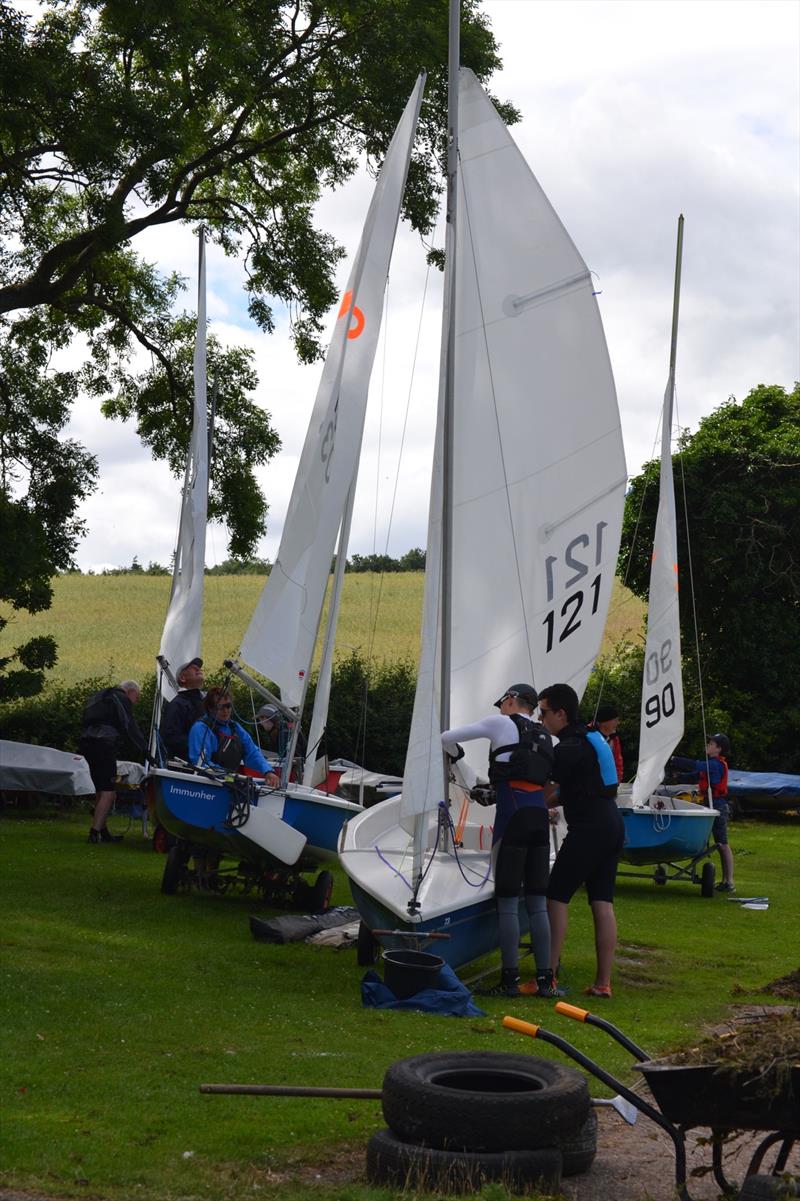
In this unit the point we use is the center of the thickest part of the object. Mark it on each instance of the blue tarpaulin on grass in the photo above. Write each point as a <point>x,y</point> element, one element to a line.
<point>451,997</point>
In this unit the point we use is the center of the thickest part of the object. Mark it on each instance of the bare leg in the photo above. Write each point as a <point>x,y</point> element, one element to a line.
<point>726,859</point>
<point>605,941</point>
<point>558,913</point>
<point>102,808</point>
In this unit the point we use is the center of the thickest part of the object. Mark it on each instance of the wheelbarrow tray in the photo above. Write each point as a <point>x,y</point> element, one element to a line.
<point>706,1095</point>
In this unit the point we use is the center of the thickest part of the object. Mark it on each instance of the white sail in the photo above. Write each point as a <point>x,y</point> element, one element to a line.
<point>539,467</point>
<point>661,725</point>
<point>181,639</point>
<point>280,639</point>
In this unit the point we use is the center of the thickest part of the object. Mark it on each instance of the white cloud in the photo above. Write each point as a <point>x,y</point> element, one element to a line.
<point>632,112</point>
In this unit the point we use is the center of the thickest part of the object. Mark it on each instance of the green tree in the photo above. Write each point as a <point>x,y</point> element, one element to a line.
<point>116,118</point>
<point>740,473</point>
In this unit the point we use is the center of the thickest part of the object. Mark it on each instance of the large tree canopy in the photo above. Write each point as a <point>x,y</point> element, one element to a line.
<point>117,117</point>
<point>740,473</point>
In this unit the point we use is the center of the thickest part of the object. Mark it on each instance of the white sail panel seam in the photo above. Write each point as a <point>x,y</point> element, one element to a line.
<point>547,530</point>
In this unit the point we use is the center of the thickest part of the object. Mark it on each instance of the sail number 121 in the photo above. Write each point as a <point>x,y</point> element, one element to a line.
<point>572,612</point>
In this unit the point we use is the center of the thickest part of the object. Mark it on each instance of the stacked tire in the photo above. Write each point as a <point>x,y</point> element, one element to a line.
<point>459,1119</point>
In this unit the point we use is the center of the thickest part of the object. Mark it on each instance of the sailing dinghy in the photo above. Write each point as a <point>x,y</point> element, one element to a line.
<point>296,826</point>
<point>660,827</point>
<point>524,525</point>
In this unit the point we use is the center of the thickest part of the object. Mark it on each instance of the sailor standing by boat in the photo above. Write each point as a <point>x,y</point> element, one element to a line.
<point>107,720</point>
<point>218,741</point>
<point>520,763</point>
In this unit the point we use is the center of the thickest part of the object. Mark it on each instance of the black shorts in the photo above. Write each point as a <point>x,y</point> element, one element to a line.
<point>523,858</point>
<point>588,855</point>
<point>102,759</point>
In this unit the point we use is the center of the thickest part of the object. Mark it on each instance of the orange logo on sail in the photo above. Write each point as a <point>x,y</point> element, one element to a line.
<point>356,330</point>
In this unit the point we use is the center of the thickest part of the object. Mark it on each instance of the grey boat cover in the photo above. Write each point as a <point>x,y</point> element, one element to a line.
<point>26,768</point>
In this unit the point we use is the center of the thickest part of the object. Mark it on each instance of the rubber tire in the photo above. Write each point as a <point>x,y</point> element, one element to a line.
<point>174,869</point>
<point>367,946</point>
<point>542,1102</point>
<point>707,879</point>
<point>660,875</point>
<point>398,1164</point>
<point>578,1150</point>
<point>762,1187</point>
<point>320,893</point>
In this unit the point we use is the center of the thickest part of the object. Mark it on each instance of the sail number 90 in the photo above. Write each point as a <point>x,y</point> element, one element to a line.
<point>660,703</point>
<point>573,605</point>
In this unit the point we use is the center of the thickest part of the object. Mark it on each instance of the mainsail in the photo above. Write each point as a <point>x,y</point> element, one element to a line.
<point>661,723</point>
<point>538,463</point>
<point>279,641</point>
<point>181,638</point>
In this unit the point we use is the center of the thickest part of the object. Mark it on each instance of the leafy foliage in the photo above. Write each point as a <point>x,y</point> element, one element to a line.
<point>118,118</point>
<point>740,474</point>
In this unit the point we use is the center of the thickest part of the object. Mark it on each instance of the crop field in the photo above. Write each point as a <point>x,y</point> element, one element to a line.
<point>112,624</point>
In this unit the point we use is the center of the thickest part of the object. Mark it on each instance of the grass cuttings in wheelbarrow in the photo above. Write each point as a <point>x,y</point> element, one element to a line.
<point>761,1048</point>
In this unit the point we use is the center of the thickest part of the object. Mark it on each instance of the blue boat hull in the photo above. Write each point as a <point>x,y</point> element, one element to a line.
<point>197,811</point>
<point>652,838</point>
<point>472,930</point>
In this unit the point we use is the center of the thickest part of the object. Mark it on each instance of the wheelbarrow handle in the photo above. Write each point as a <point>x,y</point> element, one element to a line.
<point>583,1015</point>
<point>425,935</point>
<point>516,1024</point>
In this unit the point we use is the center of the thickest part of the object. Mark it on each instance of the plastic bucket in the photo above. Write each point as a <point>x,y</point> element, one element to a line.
<point>408,972</point>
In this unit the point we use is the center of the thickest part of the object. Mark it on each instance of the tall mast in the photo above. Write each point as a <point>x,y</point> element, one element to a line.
<point>450,300</point>
<point>676,299</point>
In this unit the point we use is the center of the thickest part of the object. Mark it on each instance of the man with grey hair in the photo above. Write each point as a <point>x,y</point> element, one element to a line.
<point>108,719</point>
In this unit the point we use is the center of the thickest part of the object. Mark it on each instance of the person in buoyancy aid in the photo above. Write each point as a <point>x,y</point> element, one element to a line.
<point>520,764</point>
<point>711,774</point>
<point>218,741</point>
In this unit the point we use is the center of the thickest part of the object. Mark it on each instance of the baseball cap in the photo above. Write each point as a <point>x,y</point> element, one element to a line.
<point>191,663</point>
<point>523,692</point>
<point>267,711</point>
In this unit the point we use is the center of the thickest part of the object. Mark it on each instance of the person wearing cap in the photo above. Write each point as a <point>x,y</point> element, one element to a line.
<point>711,774</point>
<point>185,708</point>
<point>520,764</point>
<point>587,781</point>
<point>606,722</point>
<point>276,733</point>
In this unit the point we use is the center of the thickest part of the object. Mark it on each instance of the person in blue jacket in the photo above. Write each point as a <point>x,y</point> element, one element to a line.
<point>587,780</point>
<point>218,741</point>
<point>711,774</point>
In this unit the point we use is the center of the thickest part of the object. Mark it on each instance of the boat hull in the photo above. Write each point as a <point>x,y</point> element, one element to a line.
<point>197,811</point>
<point>665,830</point>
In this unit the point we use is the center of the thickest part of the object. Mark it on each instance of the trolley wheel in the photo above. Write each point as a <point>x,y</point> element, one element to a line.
<point>707,879</point>
<point>174,870</point>
<point>320,893</point>
<point>660,874</point>
<point>367,946</point>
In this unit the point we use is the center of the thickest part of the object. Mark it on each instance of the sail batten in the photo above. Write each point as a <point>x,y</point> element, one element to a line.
<point>279,641</point>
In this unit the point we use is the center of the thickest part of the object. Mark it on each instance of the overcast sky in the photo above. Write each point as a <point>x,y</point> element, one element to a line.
<point>632,112</point>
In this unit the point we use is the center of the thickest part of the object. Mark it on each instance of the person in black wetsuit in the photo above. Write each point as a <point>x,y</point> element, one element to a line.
<point>520,764</point>
<point>185,708</point>
<point>586,775</point>
<point>107,720</point>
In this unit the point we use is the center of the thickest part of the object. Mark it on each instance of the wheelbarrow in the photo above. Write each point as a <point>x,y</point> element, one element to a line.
<point>687,1097</point>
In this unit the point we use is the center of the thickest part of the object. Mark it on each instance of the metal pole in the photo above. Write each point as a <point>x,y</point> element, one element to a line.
<point>449,389</point>
<point>673,347</point>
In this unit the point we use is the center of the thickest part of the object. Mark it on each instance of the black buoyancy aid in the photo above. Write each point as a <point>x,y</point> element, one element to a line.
<point>100,709</point>
<point>531,759</point>
<point>718,790</point>
<point>230,751</point>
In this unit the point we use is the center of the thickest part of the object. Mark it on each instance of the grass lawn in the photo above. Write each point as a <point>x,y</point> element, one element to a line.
<point>118,1002</point>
